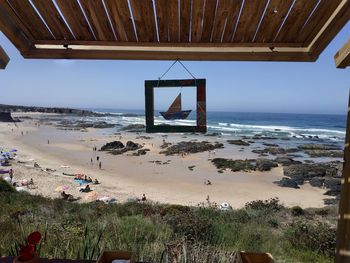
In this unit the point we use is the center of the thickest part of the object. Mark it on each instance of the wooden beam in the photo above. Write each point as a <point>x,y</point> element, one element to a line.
<point>13,29</point>
<point>342,254</point>
<point>4,58</point>
<point>335,23</point>
<point>168,44</point>
<point>342,57</point>
<point>209,54</point>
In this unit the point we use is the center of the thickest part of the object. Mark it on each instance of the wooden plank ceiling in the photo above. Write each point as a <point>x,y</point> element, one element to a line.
<point>282,30</point>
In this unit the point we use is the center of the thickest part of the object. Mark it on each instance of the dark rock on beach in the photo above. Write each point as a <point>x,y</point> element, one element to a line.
<point>191,147</point>
<point>77,124</point>
<point>325,175</point>
<point>112,146</point>
<point>132,146</point>
<point>286,161</point>
<point>102,125</point>
<point>324,153</point>
<point>275,150</point>
<point>238,142</point>
<point>270,144</point>
<point>263,137</point>
<point>140,152</point>
<point>287,182</point>
<point>244,165</point>
<point>134,128</point>
<point>263,164</point>
<point>6,117</point>
<point>213,134</point>
<point>314,146</point>
<point>234,165</point>
<point>322,150</point>
<point>118,147</point>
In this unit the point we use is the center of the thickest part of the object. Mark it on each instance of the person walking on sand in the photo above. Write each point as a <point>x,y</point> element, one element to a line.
<point>98,158</point>
<point>100,165</point>
<point>48,141</point>
<point>91,161</point>
<point>11,174</point>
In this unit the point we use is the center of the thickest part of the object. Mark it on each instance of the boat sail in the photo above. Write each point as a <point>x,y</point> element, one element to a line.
<point>175,111</point>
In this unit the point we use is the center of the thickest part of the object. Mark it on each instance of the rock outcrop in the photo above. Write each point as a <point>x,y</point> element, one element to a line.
<point>6,117</point>
<point>191,147</point>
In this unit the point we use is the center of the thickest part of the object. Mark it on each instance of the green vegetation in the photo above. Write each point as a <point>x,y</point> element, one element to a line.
<point>159,233</point>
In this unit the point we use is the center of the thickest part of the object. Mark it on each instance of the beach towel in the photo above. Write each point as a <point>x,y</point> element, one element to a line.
<point>4,171</point>
<point>22,189</point>
<point>80,181</point>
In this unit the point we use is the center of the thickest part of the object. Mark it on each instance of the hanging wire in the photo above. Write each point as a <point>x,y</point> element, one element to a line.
<point>189,72</point>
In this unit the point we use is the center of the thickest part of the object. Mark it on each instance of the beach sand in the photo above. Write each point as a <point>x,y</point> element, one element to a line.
<point>124,176</point>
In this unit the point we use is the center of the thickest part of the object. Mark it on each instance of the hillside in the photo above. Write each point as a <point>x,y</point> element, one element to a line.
<point>154,231</point>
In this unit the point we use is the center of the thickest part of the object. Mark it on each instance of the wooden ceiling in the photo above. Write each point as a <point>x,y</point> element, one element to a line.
<point>265,30</point>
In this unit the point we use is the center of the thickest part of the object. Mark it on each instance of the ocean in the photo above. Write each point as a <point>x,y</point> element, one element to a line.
<point>315,127</point>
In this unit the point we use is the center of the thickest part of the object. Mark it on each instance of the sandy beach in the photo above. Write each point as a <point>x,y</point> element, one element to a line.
<point>125,176</point>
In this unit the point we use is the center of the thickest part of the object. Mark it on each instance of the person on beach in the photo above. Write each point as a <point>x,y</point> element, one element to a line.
<point>100,165</point>
<point>91,161</point>
<point>22,133</point>
<point>96,181</point>
<point>98,158</point>
<point>11,174</point>
<point>48,141</point>
<point>207,182</point>
<point>143,199</point>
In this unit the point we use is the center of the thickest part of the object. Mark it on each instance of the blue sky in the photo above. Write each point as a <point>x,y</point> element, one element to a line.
<point>231,86</point>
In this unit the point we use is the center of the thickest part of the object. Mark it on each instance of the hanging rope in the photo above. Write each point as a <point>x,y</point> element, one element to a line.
<point>189,72</point>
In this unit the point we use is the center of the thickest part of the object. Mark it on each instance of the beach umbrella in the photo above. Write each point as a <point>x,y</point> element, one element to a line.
<point>61,188</point>
<point>92,196</point>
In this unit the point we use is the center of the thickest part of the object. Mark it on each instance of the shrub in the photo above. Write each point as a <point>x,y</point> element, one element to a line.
<point>6,187</point>
<point>317,236</point>
<point>271,204</point>
<point>297,211</point>
<point>193,226</point>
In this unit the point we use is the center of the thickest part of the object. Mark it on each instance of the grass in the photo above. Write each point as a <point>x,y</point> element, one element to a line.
<point>161,233</point>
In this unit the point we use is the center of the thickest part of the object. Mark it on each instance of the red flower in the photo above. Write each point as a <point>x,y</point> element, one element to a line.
<point>34,238</point>
<point>26,252</point>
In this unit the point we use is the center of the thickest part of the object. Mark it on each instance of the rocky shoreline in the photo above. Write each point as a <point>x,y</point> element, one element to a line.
<point>58,110</point>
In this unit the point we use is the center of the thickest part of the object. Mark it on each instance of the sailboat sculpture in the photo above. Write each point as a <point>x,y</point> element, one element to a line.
<point>174,112</point>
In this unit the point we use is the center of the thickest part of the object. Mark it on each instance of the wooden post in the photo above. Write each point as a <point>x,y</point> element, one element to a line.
<point>343,231</point>
<point>4,58</point>
<point>342,57</point>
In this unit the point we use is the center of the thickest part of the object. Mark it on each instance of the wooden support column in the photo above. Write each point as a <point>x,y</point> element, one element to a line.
<point>342,57</point>
<point>4,58</point>
<point>343,231</point>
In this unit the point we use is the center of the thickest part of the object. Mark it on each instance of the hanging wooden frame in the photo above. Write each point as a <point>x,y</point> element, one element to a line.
<point>201,123</point>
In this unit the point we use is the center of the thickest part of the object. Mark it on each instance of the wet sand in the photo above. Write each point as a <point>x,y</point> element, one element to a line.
<point>124,176</point>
